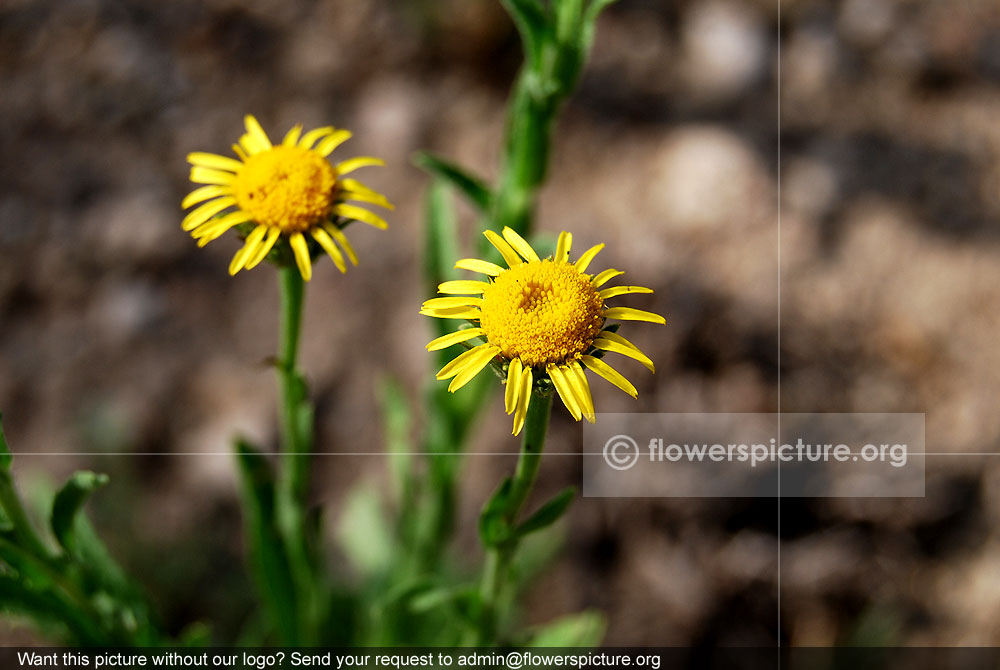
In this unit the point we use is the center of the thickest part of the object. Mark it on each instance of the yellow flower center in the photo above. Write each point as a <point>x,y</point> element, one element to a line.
<point>542,312</point>
<point>290,188</point>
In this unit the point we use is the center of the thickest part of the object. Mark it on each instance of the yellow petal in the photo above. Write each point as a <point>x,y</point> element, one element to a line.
<point>330,248</point>
<point>292,136</point>
<point>301,251</point>
<point>457,337</point>
<point>326,147</point>
<point>368,198</point>
<point>604,277</point>
<point>618,344</point>
<point>578,380</point>
<point>563,246</point>
<point>249,145</point>
<point>523,399</point>
<point>473,368</point>
<point>631,314</point>
<point>454,301</point>
<point>239,152</point>
<point>214,161</point>
<point>215,228</point>
<point>584,261</point>
<point>204,175</point>
<point>470,313</point>
<point>558,377</point>
<point>249,247</point>
<point>310,138</point>
<point>609,373</point>
<point>507,251</point>
<point>512,392</point>
<point>520,245</point>
<point>622,290</point>
<point>458,363</point>
<point>256,133</point>
<point>352,164</point>
<point>463,286</point>
<point>482,267</point>
<point>337,234</point>
<point>355,190</point>
<point>265,248</point>
<point>204,193</point>
<point>358,214</point>
<point>206,212</point>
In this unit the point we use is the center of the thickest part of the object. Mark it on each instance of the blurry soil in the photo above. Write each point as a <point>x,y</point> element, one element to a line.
<point>118,335</point>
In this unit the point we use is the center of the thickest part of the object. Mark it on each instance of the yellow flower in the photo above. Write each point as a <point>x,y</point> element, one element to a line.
<point>288,190</point>
<point>544,319</point>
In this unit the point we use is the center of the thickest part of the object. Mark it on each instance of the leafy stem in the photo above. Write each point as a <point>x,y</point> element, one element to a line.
<point>498,523</point>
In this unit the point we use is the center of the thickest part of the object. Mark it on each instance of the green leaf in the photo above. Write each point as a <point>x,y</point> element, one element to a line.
<point>47,608</point>
<point>469,185</point>
<point>6,458</point>
<point>494,528</point>
<point>548,513</point>
<point>197,634</point>
<point>30,569</point>
<point>364,533</point>
<point>583,629</point>
<point>268,556</point>
<point>435,597</point>
<point>68,503</point>
<point>441,230</point>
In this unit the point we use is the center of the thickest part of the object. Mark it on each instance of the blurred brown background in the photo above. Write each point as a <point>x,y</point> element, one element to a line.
<point>118,335</point>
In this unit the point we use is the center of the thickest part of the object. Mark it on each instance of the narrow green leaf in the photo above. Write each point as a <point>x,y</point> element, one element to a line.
<point>268,557</point>
<point>68,503</point>
<point>494,528</point>
<point>30,569</point>
<point>47,609</point>
<point>469,185</point>
<point>548,513</point>
<point>434,598</point>
<point>583,629</point>
<point>441,235</point>
<point>6,458</point>
<point>197,634</point>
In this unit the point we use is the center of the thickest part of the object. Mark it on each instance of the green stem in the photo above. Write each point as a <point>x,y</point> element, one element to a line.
<point>296,471</point>
<point>526,154</point>
<point>296,439</point>
<point>497,567</point>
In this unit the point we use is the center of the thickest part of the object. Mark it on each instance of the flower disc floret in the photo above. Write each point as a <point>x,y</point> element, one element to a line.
<point>542,312</point>
<point>289,188</point>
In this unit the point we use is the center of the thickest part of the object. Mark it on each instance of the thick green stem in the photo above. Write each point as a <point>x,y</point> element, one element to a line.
<point>292,391</point>
<point>296,443</point>
<point>497,568</point>
<point>526,154</point>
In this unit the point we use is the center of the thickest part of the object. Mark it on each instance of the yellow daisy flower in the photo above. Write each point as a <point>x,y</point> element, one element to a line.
<point>287,190</point>
<point>542,322</point>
